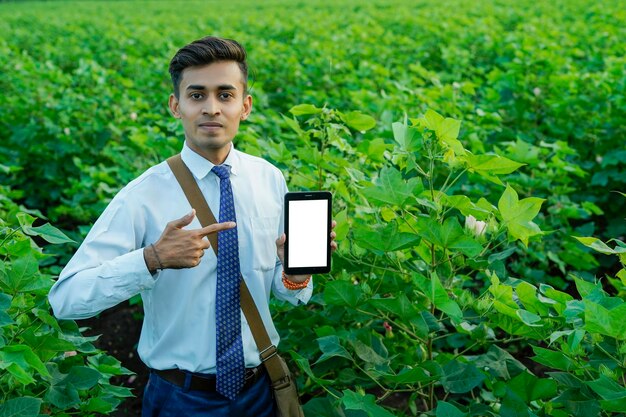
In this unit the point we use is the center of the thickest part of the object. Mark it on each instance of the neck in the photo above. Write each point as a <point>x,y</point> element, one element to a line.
<point>216,156</point>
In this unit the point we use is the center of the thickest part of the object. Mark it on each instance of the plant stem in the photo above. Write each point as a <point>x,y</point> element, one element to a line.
<point>444,189</point>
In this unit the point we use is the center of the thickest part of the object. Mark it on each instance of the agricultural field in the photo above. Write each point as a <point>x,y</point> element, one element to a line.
<point>476,154</point>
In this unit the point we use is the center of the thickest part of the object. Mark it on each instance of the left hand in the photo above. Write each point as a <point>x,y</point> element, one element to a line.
<point>280,251</point>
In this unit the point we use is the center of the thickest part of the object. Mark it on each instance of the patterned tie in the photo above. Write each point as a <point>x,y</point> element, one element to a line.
<point>230,364</point>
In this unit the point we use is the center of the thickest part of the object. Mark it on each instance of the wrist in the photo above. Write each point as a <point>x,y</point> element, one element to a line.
<point>151,257</point>
<point>295,282</point>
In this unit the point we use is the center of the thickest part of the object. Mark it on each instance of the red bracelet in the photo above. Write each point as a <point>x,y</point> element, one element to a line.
<point>290,285</point>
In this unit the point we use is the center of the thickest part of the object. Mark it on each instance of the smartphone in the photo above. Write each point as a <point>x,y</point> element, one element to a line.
<point>308,217</point>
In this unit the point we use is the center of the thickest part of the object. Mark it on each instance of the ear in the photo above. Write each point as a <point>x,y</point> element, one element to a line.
<point>173,105</point>
<point>247,107</point>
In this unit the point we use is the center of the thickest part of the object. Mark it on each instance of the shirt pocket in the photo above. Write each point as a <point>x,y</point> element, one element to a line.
<point>265,233</point>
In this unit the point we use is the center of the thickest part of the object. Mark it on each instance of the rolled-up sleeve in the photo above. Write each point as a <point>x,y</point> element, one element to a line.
<point>107,269</point>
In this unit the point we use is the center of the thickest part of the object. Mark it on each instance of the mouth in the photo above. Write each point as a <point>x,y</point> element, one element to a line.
<point>210,128</point>
<point>212,125</point>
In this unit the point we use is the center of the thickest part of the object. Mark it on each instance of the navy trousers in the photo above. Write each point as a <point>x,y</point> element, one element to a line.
<point>164,399</point>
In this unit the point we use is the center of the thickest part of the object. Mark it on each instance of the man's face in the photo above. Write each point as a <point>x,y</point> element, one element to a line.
<point>212,102</point>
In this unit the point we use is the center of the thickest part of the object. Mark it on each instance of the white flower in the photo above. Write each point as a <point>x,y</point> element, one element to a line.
<point>475,226</point>
<point>133,116</point>
<point>537,91</point>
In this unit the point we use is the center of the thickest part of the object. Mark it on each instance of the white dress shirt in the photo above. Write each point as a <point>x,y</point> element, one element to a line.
<point>179,304</point>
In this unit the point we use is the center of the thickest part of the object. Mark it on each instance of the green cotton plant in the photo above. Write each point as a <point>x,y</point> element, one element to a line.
<point>46,366</point>
<point>580,342</point>
<point>400,315</point>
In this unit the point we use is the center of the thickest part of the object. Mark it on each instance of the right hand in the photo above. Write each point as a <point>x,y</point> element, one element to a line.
<point>179,248</point>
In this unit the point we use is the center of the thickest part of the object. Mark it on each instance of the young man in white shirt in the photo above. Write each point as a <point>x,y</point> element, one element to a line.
<point>149,241</point>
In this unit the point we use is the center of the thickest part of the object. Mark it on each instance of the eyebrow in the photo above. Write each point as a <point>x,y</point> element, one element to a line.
<point>228,87</point>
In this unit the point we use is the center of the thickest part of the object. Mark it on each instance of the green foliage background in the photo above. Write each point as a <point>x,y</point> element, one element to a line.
<point>84,90</point>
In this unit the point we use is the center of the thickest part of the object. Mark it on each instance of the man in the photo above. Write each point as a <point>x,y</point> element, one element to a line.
<point>149,241</point>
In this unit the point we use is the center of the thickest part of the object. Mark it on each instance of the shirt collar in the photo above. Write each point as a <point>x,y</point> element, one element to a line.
<point>200,167</point>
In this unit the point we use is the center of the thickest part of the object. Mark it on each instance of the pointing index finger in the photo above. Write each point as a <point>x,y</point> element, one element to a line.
<point>216,227</point>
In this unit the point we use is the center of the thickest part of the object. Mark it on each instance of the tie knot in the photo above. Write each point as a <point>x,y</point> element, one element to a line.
<point>221,171</point>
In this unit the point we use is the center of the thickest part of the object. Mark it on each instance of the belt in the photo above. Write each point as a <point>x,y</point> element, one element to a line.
<point>207,382</point>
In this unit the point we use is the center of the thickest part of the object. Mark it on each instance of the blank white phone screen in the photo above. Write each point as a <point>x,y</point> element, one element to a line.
<point>308,242</point>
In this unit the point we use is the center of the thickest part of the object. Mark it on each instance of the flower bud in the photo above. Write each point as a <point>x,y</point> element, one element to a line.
<point>477,227</point>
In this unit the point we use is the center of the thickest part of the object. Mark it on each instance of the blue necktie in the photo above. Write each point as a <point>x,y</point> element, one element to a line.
<point>230,364</point>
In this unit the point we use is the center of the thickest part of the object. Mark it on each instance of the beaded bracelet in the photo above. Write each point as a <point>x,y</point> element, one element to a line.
<point>290,285</point>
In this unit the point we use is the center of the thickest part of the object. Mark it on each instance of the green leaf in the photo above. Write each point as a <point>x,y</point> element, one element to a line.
<point>527,294</point>
<point>82,377</point>
<point>446,130</point>
<point>277,150</point>
<point>491,164</point>
<point>565,379</point>
<point>25,220</point>
<point>21,407</point>
<point>353,401</point>
<point>49,233</point>
<point>578,404</point>
<point>518,214</point>
<point>449,129</point>
<point>5,319</point>
<point>62,396</point>
<point>331,347</point>
<point>384,239</point>
<point>47,343</point>
<point>599,319</point>
<point>406,136</point>
<point>367,354</point>
<point>343,227</point>
<point>359,121</point>
<point>465,206</point>
<point>553,359</point>
<point>399,306</point>
<point>499,363</point>
<point>500,256</point>
<point>617,405</point>
<point>449,235</point>
<point>304,109</point>
<point>438,295</point>
<point>22,272</point>
<point>321,407</point>
<point>100,405</point>
<point>304,365</point>
<point>432,119</point>
<point>460,377</point>
<point>599,246</point>
<point>23,356</point>
<point>5,301</point>
<point>391,188</point>
<point>607,388</point>
<point>530,388</point>
<point>343,293</point>
<point>445,409</point>
<point>21,375</point>
<point>528,318</point>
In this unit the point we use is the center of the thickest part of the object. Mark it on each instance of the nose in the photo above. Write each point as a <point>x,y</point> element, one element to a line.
<point>211,106</point>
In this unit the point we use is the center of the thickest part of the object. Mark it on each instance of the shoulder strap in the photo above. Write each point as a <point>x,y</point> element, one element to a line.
<point>194,195</point>
<point>205,215</point>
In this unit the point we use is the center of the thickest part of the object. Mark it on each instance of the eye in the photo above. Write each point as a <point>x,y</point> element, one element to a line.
<point>225,95</point>
<point>196,96</point>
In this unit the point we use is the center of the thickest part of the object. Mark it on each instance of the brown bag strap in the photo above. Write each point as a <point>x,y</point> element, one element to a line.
<point>205,215</point>
<point>194,195</point>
